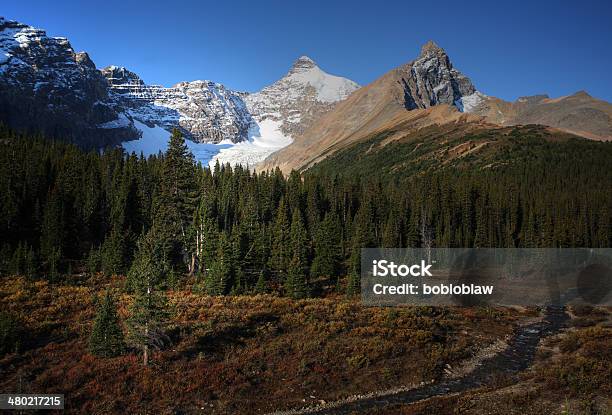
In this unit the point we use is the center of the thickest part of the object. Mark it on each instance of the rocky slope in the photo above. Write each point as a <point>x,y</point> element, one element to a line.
<point>429,91</point>
<point>204,111</point>
<point>285,109</point>
<point>45,86</point>
<point>579,113</point>
<point>404,94</point>
<point>302,95</point>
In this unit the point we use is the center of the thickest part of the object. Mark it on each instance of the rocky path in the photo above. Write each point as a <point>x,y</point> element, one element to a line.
<point>517,356</point>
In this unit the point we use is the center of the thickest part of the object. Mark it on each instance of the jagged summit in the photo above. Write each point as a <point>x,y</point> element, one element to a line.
<point>431,47</point>
<point>304,60</point>
<point>46,86</point>
<point>431,80</point>
<point>302,64</point>
<point>119,75</point>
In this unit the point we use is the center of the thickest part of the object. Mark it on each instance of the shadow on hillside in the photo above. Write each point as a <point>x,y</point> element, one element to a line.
<point>217,341</point>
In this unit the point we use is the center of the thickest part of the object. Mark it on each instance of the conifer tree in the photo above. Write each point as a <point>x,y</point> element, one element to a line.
<point>354,278</point>
<point>280,253</point>
<point>94,260</point>
<point>261,287</point>
<point>296,286</point>
<point>112,256</point>
<point>220,276</point>
<point>327,247</point>
<point>176,204</point>
<point>148,312</point>
<point>106,339</point>
<point>52,233</point>
<point>299,238</point>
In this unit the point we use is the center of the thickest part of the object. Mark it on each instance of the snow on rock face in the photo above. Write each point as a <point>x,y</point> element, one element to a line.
<point>154,140</point>
<point>204,111</point>
<point>470,103</point>
<point>46,86</point>
<point>300,97</point>
<point>244,128</point>
<point>328,88</point>
<point>228,126</point>
<point>265,137</point>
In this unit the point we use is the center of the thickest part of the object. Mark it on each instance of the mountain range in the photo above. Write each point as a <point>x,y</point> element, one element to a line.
<point>303,118</point>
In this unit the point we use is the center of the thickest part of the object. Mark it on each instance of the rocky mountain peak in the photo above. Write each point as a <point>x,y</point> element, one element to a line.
<point>431,80</point>
<point>118,75</point>
<point>46,86</point>
<point>582,94</point>
<point>431,48</point>
<point>302,64</point>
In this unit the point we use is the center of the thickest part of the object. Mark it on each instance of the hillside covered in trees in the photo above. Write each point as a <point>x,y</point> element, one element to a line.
<point>105,256</point>
<point>234,231</point>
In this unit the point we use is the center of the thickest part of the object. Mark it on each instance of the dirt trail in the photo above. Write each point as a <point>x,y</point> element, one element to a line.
<point>516,357</point>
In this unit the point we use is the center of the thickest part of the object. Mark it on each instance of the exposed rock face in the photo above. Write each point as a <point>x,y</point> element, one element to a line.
<point>285,109</point>
<point>300,97</point>
<point>430,91</point>
<point>401,96</point>
<point>204,111</point>
<point>431,80</point>
<point>45,86</point>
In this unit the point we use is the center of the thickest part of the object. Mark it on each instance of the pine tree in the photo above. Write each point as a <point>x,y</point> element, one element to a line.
<point>219,278</point>
<point>299,239</point>
<point>106,339</point>
<point>262,286</point>
<point>327,247</point>
<point>176,204</point>
<point>94,261</point>
<point>280,253</point>
<point>353,286</point>
<point>112,255</point>
<point>148,312</point>
<point>52,233</point>
<point>354,279</point>
<point>30,263</point>
<point>296,286</point>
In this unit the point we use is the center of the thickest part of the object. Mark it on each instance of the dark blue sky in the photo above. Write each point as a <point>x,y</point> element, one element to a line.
<point>509,48</point>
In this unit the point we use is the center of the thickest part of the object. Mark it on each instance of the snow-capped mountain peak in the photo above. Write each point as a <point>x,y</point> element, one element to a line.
<point>72,99</point>
<point>286,108</point>
<point>302,64</point>
<point>205,111</point>
<point>305,73</point>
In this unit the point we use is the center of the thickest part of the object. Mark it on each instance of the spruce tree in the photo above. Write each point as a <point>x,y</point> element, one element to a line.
<point>106,339</point>
<point>94,261</point>
<point>148,312</point>
<point>296,285</point>
<point>176,203</point>
<point>280,253</point>
<point>219,278</point>
<point>354,278</point>
<point>113,253</point>
<point>327,247</point>
<point>261,287</point>
<point>299,237</point>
